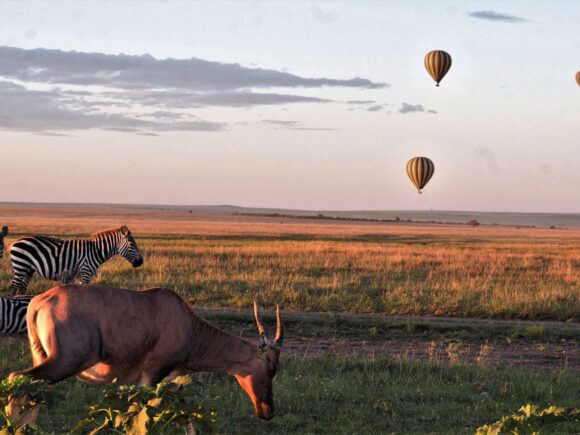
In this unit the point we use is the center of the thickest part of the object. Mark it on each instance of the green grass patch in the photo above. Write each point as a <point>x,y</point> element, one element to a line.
<point>349,395</point>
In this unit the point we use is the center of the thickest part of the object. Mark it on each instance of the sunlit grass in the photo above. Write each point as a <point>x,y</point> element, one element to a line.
<point>485,272</point>
<point>491,278</point>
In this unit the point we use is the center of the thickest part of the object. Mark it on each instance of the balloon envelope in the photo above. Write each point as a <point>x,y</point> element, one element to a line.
<point>420,170</point>
<point>578,78</point>
<point>437,63</point>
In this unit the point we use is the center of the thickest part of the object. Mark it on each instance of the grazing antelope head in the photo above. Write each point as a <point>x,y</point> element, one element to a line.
<point>3,234</point>
<point>127,247</point>
<point>257,375</point>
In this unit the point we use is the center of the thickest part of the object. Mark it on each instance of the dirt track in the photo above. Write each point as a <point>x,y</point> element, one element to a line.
<point>523,355</point>
<point>560,355</point>
<point>549,356</point>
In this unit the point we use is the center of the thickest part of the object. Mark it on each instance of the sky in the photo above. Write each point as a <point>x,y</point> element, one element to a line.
<point>308,105</point>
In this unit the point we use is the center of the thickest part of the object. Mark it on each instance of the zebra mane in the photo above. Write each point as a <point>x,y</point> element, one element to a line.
<point>112,231</point>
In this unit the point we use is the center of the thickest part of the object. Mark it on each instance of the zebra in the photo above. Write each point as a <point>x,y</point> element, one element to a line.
<point>3,234</point>
<point>13,314</point>
<point>55,258</point>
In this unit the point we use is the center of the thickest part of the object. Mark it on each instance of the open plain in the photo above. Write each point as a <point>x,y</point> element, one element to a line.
<point>434,327</point>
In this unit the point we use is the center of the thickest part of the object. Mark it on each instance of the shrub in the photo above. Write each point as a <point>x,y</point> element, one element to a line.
<point>165,409</point>
<point>529,420</point>
<point>168,408</point>
<point>37,393</point>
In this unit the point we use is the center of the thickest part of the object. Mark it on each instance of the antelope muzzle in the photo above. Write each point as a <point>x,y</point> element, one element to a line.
<point>265,411</point>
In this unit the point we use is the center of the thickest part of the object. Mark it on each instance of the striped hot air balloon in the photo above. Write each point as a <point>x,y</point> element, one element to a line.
<point>437,63</point>
<point>578,78</point>
<point>420,170</point>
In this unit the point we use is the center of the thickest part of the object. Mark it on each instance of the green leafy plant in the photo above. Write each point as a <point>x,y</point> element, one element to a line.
<point>36,392</point>
<point>168,408</point>
<point>530,420</point>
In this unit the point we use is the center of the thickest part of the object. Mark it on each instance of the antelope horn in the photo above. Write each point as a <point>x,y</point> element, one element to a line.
<point>261,329</point>
<point>279,328</point>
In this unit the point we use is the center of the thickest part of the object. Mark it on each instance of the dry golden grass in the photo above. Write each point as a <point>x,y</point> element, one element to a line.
<point>231,260</point>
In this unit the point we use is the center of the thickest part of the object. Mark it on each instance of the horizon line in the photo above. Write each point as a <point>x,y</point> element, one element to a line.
<point>120,204</point>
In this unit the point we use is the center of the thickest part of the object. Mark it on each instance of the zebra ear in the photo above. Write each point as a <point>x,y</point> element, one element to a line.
<point>125,230</point>
<point>4,231</point>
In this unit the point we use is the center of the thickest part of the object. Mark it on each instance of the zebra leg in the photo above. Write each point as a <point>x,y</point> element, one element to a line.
<point>20,280</point>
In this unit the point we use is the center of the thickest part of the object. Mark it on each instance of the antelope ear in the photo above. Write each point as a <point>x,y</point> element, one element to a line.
<point>263,343</point>
<point>4,231</point>
<point>124,230</point>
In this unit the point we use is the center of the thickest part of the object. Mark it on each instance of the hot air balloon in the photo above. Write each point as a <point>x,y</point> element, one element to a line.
<point>437,63</point>
<point>578,78</point>
<point>420,170</point>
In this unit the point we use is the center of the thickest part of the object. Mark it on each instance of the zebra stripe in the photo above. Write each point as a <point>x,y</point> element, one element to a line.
<point>13,314</point>
<point>52,257</point>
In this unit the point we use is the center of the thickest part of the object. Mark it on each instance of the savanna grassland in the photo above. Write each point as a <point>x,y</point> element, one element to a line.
<point>341,373</point>
<point>211,260</point>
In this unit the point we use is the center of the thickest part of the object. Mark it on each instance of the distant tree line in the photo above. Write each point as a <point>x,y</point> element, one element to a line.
<point>473,223</point>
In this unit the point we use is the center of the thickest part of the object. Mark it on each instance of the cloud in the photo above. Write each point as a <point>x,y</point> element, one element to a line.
<point>366,105</point>
<point>278,124</point>
<point>487,156</point>
<point>244,99</point>
<point>186,100</point>
<point>362,102</point>
<point>146,72</point>
<point>497,16</point>
<point>44,90</point>
<point>47,111</point>
<point>52,134</point>
<point>324,17</point>
<point>411,108</point>
<point>376,107</point>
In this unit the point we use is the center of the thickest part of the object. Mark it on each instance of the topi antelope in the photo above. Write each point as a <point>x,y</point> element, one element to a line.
<point>102,333</point>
